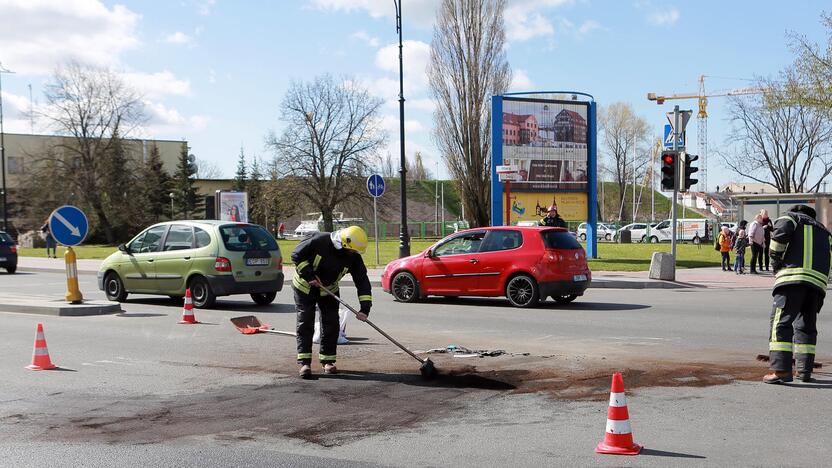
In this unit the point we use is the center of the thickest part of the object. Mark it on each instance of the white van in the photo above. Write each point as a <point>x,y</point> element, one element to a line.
<point>687,229</point>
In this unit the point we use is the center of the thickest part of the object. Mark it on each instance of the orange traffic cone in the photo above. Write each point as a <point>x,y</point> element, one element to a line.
<point>40,357</point>
<point>188,311</point>
<point>618,438</point>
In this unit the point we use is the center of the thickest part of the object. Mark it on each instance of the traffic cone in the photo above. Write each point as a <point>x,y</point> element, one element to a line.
<point>188,311</point>
<point>40,357</point>
<point>618,438</point>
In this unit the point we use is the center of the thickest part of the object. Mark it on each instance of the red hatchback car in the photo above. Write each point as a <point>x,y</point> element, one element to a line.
<point>525,264</point>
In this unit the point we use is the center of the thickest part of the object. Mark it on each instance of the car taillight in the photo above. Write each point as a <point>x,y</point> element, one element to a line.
<point>222,264</point>
<point>551,256</point>
<point>14,249</point>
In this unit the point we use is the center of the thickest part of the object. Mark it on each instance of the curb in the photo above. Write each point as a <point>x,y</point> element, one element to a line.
<point>60,309</point>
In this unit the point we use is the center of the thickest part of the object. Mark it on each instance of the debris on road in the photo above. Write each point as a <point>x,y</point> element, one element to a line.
<point>463,352</point>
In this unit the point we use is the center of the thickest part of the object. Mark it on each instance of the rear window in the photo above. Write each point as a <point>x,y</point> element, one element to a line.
<point>245,237</point>
<point>5,238</point>
<point>559,240</point>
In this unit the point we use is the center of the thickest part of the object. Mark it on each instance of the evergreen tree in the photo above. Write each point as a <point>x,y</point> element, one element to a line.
<point>118,188</point>
<point>155,188</point>
<point>254,187</point>
<point>186,203</point>
<point>241,177</point>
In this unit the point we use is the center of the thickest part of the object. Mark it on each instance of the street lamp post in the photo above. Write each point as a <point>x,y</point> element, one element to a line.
<point>171,205</point>
<point>3,152</point>
<point>404,236</point>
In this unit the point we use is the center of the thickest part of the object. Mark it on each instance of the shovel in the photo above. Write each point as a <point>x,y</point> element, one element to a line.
<point>249,325</point>
<point>427,368</point>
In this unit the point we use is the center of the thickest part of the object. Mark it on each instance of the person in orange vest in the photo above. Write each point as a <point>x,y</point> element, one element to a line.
<point>725,248</point>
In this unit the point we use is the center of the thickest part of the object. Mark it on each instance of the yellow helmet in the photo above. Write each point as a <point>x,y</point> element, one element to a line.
<point>353,238</point>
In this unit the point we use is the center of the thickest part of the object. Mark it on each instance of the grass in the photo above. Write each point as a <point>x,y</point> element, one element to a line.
<point>613,257</point>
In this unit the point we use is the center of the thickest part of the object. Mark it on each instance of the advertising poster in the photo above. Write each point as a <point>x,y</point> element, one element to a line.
<point>531,206</point>
<point>232,206</point>
<point>547,141</point>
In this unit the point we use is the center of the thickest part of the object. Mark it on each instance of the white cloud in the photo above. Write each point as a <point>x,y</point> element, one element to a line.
<point>524,21</point>
<point>588,26</point>
<point>203,7</point>
<point>520,80</point>
<point>365,38</point>
<point>212,76</point>
<point>667,17</point>
<point>390,123</point>
<point>416,59</point>
<point>417,12</point>
<point>421,104</point>
<point>179,38</point>
<point>164,120</point>
<point>44,33</point>
<point>154,85</point>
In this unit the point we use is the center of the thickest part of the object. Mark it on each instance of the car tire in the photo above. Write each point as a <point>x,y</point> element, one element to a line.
<point>522,291</point>
<point>404,287</point>
<point>583,236</point>
<point>263,299</point>
<point>654,240</point>
<point>11,269</point>
<point>114,288</point>
<point>608,237</point>
<point>565,299</point>
<point>202,295</point>
<point>643,239</point>
<point>696,240</point>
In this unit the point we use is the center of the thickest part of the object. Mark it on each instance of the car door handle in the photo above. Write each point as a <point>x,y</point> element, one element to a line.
<point>473,260</point>
<point>149,260</point>
<point>187,258</point>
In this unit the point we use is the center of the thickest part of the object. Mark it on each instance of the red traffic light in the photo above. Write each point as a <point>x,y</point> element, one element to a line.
<point>667,158</point>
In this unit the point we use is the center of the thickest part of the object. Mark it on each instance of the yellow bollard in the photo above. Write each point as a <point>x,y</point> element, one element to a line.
<point>73,294</point>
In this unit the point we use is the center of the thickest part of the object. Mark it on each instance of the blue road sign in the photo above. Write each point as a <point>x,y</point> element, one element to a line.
<point>375,185</point>
<point>668,139</point>
<point>69,225</point>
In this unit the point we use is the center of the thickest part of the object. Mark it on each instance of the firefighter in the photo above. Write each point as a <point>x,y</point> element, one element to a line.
<point>323,259</point>
<point>800,254</point>
<point>553,219</point>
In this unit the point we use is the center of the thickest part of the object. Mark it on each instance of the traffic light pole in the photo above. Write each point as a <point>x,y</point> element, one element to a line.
<point>675,185</point>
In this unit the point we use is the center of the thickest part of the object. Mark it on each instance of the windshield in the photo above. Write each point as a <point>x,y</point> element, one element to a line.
<point>6,238</point>
<point>559,240</point>
<point>245,237</point>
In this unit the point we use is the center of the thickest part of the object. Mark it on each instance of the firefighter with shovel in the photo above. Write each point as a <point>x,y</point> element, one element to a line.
<point>322,259</point>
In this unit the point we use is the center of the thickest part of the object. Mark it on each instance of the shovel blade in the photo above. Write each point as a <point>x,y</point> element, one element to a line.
<point>246,323</point>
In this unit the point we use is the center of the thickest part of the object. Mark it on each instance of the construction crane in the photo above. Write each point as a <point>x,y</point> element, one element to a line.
<point>702,117</point>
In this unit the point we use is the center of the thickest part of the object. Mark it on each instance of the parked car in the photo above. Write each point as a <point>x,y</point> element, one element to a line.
<point>638,232</point>
<point>8,252</point>
<point>687,229</point>
<point>211,258</point>
<point>524,264</point>
<point>603,230</point>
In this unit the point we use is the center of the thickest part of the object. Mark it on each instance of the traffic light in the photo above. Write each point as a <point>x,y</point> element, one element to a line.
<point>669,169</point>
<point>689,170</point>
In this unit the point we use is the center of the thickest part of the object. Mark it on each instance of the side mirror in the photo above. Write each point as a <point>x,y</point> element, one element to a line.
<point>123,248</point>
<point>428,253</point>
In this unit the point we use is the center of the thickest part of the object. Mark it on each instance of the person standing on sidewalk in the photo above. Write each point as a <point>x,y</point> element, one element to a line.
<point>801,257</point>
<point>768,227</point>
<point>51,245</point>
<point>740,244</point>
<point>725,248</point>
<point>757,237</point>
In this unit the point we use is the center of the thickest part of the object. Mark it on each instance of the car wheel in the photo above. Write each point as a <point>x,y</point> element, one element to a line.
<point>643,239</point>
<point>404,287</point>
<point>654,240</point>
<point>522,291</point>
<point>608,237</point>
<point>11,269</point>
<point>201,294</point>
<point>696,240</point>
<point>565,299</point>
<point>583,236</point>
<point>114,288</point>
<point>263,298</point>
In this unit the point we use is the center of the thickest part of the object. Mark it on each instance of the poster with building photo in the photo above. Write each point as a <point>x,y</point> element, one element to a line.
<point>547,141</point>
<point>232,206</point>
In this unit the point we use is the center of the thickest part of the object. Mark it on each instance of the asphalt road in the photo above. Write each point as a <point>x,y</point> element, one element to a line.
<point>137,389</point>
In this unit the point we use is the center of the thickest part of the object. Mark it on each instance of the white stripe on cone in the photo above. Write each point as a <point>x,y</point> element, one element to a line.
<point>40,336</point>
<point>618,427</point>
<point>618,400</point>
<point>41,352</point>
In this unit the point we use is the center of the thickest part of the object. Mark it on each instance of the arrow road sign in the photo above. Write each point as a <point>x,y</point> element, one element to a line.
<point>69,225</point>
<point>375,185</point>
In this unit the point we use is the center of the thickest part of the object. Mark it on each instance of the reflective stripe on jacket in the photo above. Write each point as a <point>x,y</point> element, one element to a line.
<point>316,256</point>
<point>801,250</point>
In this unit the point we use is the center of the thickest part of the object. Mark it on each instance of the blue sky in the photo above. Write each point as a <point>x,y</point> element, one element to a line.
<point>215,71</point>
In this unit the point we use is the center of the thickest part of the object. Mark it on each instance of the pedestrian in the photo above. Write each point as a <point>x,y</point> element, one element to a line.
<point>800,257</point>
<point>725,248</point>
<point>768,227</point>
<point>51,245</point>
<point>740,244</point>
<point>552,218</point>
<point>323,259</point>
<point>756,237</point>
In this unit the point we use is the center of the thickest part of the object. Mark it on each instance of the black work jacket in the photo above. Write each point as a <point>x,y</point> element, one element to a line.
<point>801,251</point>
<point>315,255</point>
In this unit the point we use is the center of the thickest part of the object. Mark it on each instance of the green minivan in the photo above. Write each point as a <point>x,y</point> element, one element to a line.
<point>212,258</point>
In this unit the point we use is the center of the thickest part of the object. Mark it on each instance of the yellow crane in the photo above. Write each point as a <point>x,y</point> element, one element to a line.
<point>702,117</point>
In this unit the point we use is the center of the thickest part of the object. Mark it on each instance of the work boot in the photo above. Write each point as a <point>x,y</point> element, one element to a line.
<point>805,377</point>
<point>305,371</point>
<point>778,377</point>
<point>330,369</point>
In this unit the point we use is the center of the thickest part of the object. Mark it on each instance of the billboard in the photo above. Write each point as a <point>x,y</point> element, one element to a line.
<point>232,206</point>
<point>532,206</point>
<point>548,141</point>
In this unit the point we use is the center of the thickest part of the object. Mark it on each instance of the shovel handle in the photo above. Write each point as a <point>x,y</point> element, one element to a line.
<point>351,309</point>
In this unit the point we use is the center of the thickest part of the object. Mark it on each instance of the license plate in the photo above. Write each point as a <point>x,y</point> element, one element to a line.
<point>2,259</point>
<point>257,261</point>
<point>578,278</point>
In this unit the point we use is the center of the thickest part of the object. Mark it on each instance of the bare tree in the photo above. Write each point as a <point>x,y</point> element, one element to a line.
<point>809,79</point>
<point>781,142</point>
<point>467,66</point>
<point>625,145</point>
<point>95,109</point>
<point>207,169</point>
<point>388,168</point>
<point>332,135</point>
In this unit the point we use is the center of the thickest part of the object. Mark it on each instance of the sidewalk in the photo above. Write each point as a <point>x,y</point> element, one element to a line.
<point>713,278</point>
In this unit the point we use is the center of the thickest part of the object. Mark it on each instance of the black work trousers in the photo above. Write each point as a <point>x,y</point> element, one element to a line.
<point>793,327</point>
<point>305,305</point>
<point>756,256</point>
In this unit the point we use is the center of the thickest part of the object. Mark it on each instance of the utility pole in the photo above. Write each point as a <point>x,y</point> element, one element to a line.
<point>31,111</point>
<point>675,184</point>
<point>3,153</point>
<point>404,236</point>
